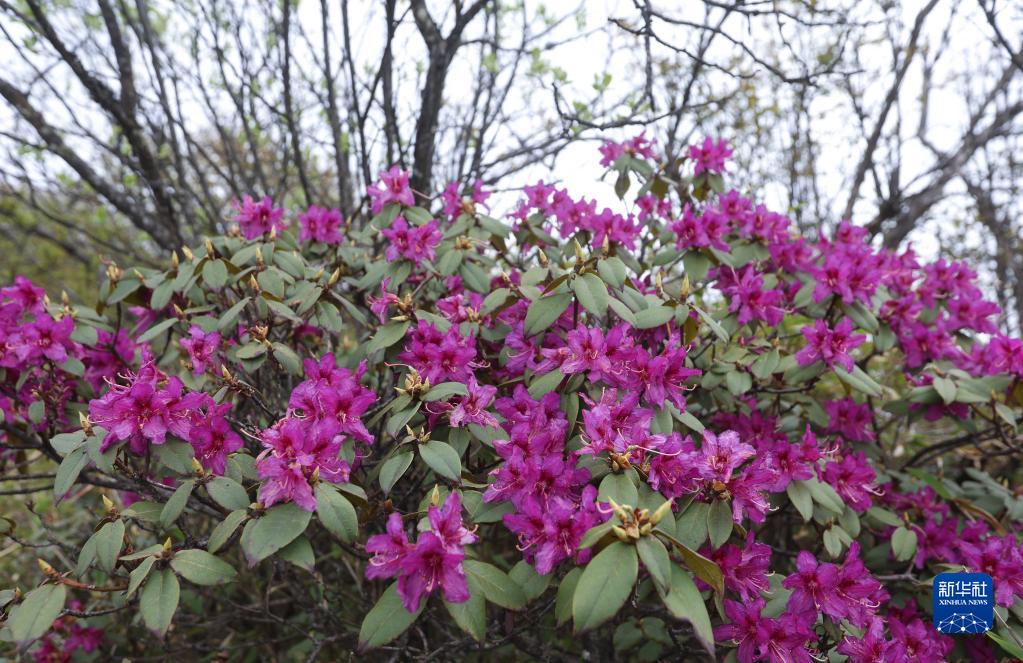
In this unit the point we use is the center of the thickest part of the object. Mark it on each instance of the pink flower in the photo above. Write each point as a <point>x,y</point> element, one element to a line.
<point>257,219</point>
<point>710,156</point>
<point>415,243</point>
<point>472,408</point>
<point>832,346</point>
<point>201,348</point>
<point>142,412</point>
<point>439,357</point>
<point>393,187</point>
<point>213,439</point>
<point>319,224</point>
<point>433,562</point>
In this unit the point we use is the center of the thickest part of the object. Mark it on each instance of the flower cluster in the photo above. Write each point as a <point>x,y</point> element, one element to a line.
<point>319,224</point>
<point>258,218</point>
<point>325,411</point>
<point>415,243</point>
<point>433,562</point>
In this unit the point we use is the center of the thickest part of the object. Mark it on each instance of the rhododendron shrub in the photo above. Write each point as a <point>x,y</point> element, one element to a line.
<point>668,428</point>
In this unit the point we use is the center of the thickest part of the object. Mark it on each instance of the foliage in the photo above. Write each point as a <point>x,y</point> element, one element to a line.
<point>601,433</point>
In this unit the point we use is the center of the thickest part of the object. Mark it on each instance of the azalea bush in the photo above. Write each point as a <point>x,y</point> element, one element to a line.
<point>438,430</point>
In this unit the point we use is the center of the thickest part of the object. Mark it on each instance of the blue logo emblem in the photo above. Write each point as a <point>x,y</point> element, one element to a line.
<point>963,603</point>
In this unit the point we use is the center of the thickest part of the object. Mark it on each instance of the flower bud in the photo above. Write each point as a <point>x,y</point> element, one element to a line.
<point>189,256</point>
<point>661,512</point>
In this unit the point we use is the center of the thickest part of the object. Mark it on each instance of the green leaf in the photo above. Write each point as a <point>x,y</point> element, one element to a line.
<point>387,620</point>
<point>336,513</point>
<point>604,586</point>
<point>175,455</point>
<point>33,617</point>
<point>109,540</point>
<point>825,495</point>
<point>904,543</point>
<point>68,471</point>
<point>705,569</point>
<point>214,274</point>
<point>684,602</point>
<point>202,568</point>
<point>654,556</point>
<point>148,511</point>
<point>222,532</point>
<point>859,380</point>
<point>545,384</point>
<point>738,382</point>
<point>532,583</point>
<point>612,270</point>
<point>176,504</point>
<point>591,292</point>
<point>471,615</point>
<point>566,590</point>
<point>278,527</point>
<point>442,459</point>
<point>445,390</point>
<point>287,358</point>
<point>719,522</point>
<point>946,388</point>
<point>161,296</point>
<point>696,266</point>
<point>619,487</point>
<point>595,534</point>
<point>801,498</point>
<point>156,330</point>
<point>387,336</point>
<point>691,526</point>
<point>300,553</point>
<point>158,600</point>
<point>496,585</point>
<point>231,315</point>
<point>393,468</point>
<point>65,443</point>
<point>766,364</point>
<point>543,312</point>
<point>1006,644</point>
<point>228,493</point>
<point>653,317</point>
<point>140,573</point>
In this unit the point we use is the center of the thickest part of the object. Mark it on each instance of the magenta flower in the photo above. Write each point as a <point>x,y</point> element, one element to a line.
<point>293,453</point>
<point>388,549</point>
<point>257,218</point>
<point>637,146</point>
<point>27,295</point>
<point>472,408</point>
<point>780,640</point>
<point>710,156</point>
<point>331,401</point>
<point>744,287</point>
<point>213,439</point>
<point>433,562</point>
<point>201,348</point>
<point>430,565</point>
<point>319,224</point>
<point>392,187</point>
<point>143,412</point>
<point>853,478</point>
<point>851,420</point>
<point>439,357</point>
<point>415,243</point>
<point>832,346</point>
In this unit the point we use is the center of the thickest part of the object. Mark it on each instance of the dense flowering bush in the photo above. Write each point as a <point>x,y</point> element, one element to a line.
<point>672,426</point>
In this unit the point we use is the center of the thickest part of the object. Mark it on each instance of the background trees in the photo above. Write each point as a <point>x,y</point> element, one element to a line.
<point>902,116</point>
